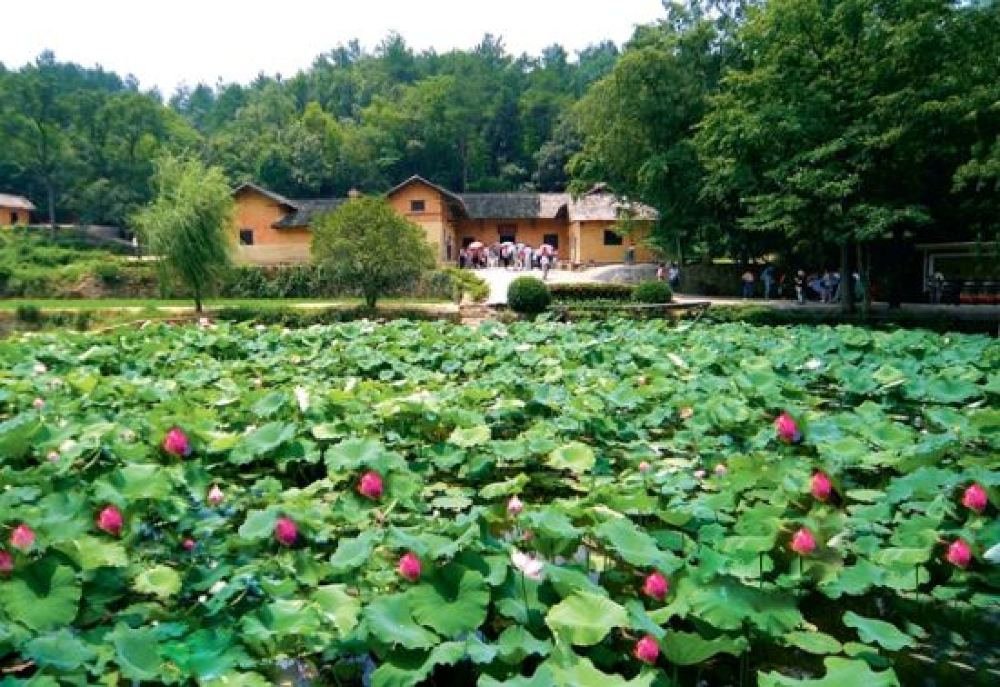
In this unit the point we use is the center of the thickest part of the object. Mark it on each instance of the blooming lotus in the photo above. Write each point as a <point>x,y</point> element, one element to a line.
<point>53,457</point>
<point>974,498</point>
<point>959,554</point>
<point>645,467</point>
<point>286,532</point>
<point>6,563</point>
<point>656,586</point>
<point>38,404</point>
<point>788,431</point>
<point>803,542</point>
<point>409,566</point>
<point>527,564</point>
<point>821,486</point>
<point>647,649</point>
<point>721,470</point>
<point>514,506</point>
<point>176,443</point>
<point>699,474</point>
<point>370,485</point>
<point>215,495</point>
<point>110,520</point>
<point>23,537</point>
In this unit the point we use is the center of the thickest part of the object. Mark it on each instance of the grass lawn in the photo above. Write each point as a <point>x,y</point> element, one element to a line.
<point>64,304</point>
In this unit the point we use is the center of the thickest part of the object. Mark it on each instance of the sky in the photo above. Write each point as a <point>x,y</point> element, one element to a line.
<point>169,42</point>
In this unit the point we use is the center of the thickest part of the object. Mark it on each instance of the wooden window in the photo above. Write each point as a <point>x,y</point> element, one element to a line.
<point>551,239</point>
<point>246,237</point>
<point>417,206</point>
<point>612,238</point>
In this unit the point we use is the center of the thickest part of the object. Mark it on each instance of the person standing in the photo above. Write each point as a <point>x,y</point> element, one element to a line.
<point>661,272</point>
<point>767,276</point>
<point>674,276</point>
<point>800,287</point>
<point>545,263</point>
<point>747,284</point>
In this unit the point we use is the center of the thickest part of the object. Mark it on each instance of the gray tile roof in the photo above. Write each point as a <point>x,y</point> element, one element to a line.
<point>514,205</point>
<point>306,210</point>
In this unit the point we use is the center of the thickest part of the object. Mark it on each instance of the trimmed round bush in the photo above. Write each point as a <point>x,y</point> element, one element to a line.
<point>652,292</point>
<point>528,295</point>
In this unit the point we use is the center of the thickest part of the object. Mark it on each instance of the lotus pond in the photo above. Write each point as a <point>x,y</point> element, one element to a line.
<point>606,503</point>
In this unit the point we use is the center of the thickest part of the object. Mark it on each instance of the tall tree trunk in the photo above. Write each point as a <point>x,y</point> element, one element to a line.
<point>197,301</point>
<point>865,270</point>
<point>51,193</point>
<point>847,277</point>
<point>894,288</point>
<point>370,300</point>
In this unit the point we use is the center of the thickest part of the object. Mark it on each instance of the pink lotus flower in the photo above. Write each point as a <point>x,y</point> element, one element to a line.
<point>530,566</point>
<point>110,520</point>
<point>645,467</point>
<point>286,532</point>
<point>188,544</point>
<point>647,649</point>
<point>974,498</point>
<point>803,542</point>
<point>409,566</point>
<point>788,431</point>
<point>656,586</point>
<point>699,474</point>
<point>821,486</point>
<point>959,554</point>
<point>721,470</point>
<point>38,404</point>
<point>215,495</point>
<point>6,563</point>
<point>514,506</point>
<point>370,485</point>
<point>53,457</point>
<point>23,537</point>
<point>176,443</point>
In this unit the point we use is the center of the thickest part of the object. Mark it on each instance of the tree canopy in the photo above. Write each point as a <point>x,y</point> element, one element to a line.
<point>366,244</point>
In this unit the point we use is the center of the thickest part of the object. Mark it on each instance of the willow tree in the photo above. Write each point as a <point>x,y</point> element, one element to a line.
<point>187,224</point>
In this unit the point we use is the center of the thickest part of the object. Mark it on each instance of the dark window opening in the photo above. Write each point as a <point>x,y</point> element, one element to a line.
<point>467,241</point>
<point>507,233</point>
<point>552,240</point>
<point>13,218</point>
<point>417,206</point>
<point>612,238</point>
<point>246,237</point>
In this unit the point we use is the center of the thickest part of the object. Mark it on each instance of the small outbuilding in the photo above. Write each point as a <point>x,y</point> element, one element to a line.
<point>15,209</point>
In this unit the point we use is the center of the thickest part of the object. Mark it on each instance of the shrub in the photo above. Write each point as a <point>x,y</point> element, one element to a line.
<point>465,281</point>
<point>652,292</point>
<point>29,314</point>
<point>528,295</point>
<point>109,273</point>
<point>591,292</point>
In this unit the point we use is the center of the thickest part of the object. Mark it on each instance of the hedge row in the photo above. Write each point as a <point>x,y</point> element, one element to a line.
<point>591,292</point>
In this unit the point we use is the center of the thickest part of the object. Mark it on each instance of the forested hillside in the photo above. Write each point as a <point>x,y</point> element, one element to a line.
<point>479,119</point>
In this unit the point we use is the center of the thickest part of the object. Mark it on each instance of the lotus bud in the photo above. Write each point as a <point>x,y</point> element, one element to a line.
<point>821,486</point>
<point>803,542</point>
<point>215,495</point>
<point>645,467</point>
<point>656,586</point>
<point>721,470</point>
<point>286,532</point>
<point>38,404</point>
<point>974,498</point>
<point>23,537</point>
<point>647,649</point>
<point>176,443</point>
<point>110,520</point>
<point>370,485</point>
<point>514,506</point>
<point>6,563</point>
<point>409,567</point>
<point>788,430</point>
<point>959,554</point>
<point>188,544</point>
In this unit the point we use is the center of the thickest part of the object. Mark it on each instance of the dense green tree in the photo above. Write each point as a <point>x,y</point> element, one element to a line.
<point>366,244</point>
<point>188,224</point>
<point>837,129</point>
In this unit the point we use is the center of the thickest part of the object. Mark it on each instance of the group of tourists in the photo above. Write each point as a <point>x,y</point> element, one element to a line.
<point>825,286</point>
<point>670,274</point>
<point>511,256</point>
